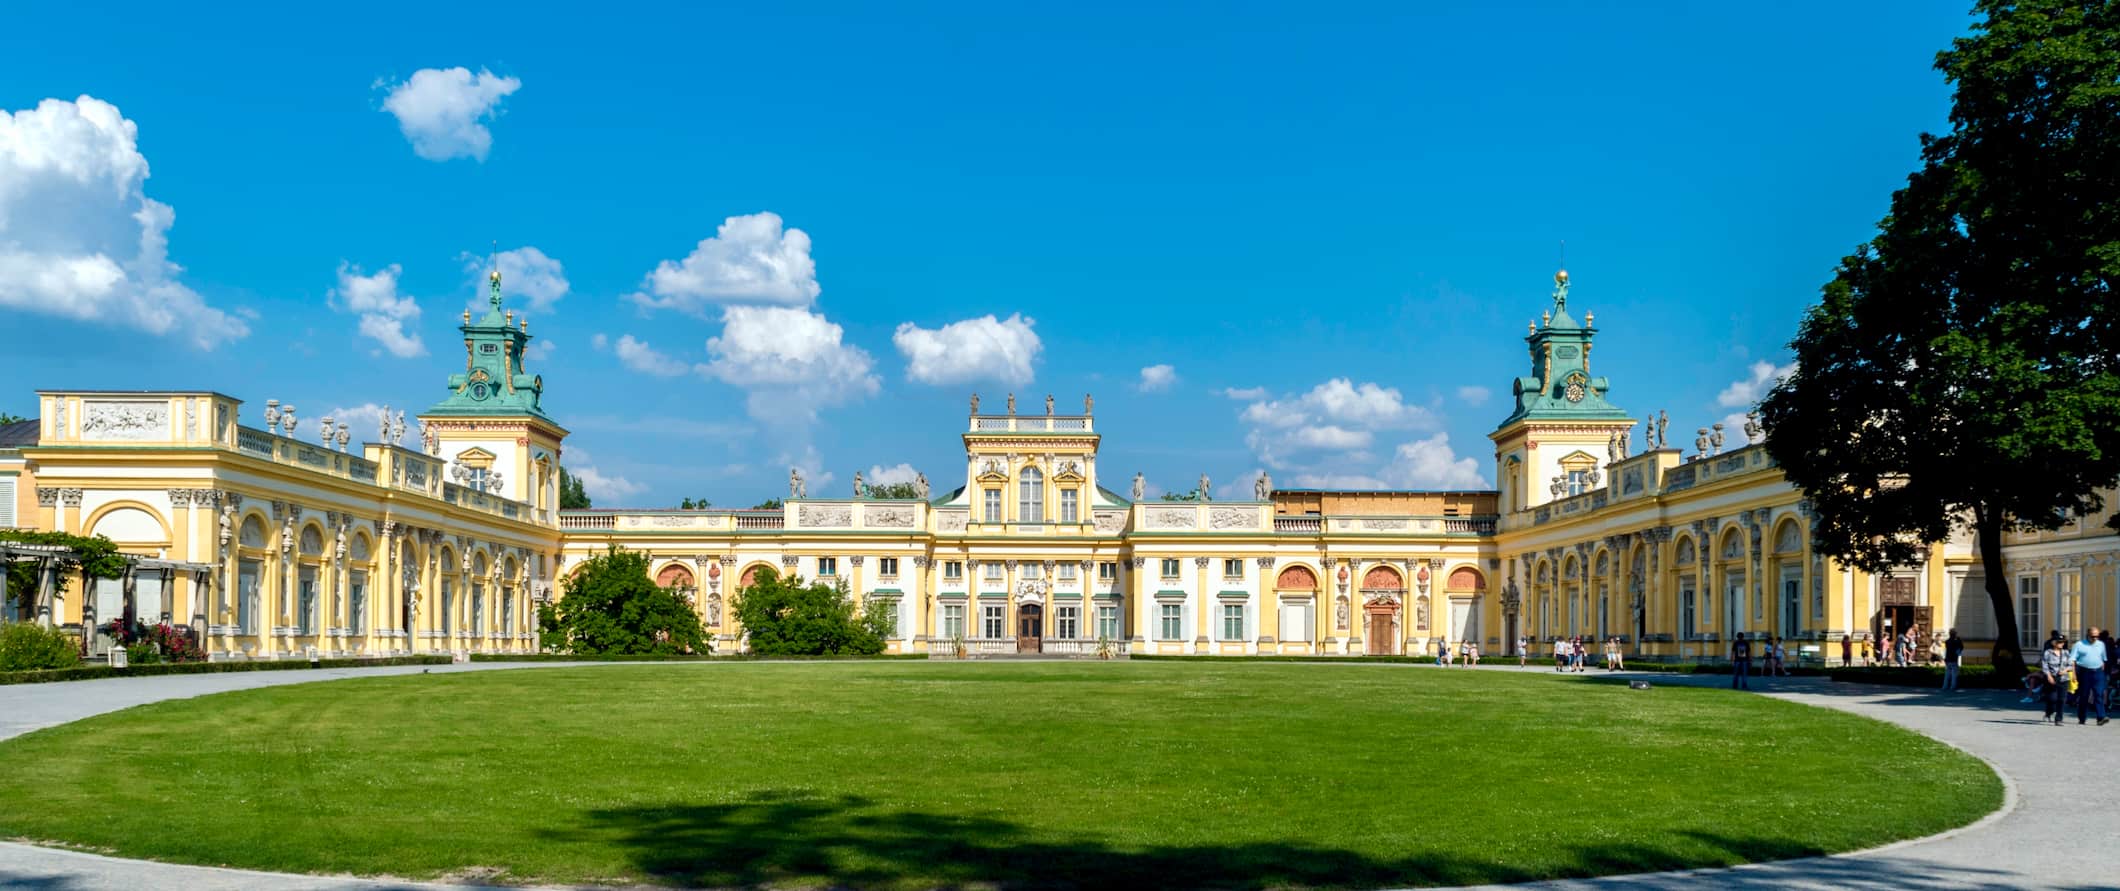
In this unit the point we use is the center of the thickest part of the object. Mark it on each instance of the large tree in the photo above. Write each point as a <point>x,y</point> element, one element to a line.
<point>1961,370</point>
<point>610,606</point>
<point>783,616</point>
<point>894,490</point>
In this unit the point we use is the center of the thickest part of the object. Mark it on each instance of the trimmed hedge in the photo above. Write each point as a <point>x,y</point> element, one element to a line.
<point>94,672</point>
<point>557,657</point>
<point>1981,676</point>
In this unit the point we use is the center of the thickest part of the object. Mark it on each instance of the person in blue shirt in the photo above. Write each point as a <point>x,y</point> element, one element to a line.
<point>1740,662</point>
<point>2090,657</point>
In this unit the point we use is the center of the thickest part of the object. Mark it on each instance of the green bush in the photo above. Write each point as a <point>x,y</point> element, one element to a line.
<point>555,657</point>
<point>786,617</point>
<point>27,646</point>
<point>610,605</point>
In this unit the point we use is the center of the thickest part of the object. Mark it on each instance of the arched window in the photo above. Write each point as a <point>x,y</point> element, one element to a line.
<point>1030,496</point>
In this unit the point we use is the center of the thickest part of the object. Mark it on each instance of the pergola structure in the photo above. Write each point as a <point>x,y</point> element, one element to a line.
<point>45,599</point>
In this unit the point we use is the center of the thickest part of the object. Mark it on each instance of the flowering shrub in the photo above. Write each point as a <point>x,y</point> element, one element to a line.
<point>146,644</point>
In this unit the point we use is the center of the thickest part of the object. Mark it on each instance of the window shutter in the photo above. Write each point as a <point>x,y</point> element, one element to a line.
<point>7,502</point>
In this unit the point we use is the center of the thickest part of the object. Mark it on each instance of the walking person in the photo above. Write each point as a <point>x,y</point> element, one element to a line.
<point>1523,651</point>
<point>1847,649</point>
<point>1740,663</point>
<point>1560,654</point>
<point>1442,653</point>
<point>1884,649</point>
<point>1580,654</point>
<point>1472,652</point>
<point>2056,668</point>
<point>1619,655</point>
<point>1953,650</point>
<point>2090,657</point>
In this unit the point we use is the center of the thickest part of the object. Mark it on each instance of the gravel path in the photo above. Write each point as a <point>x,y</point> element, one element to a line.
<point>2053,773</point>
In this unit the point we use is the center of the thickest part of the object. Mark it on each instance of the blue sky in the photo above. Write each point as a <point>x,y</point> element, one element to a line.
<point>1343,213</point>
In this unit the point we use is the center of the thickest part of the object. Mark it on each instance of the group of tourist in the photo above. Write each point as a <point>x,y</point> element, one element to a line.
<point>1569,653</point>
<point>2081,673</point>
<point>1773,654</point>
<point>1914,646</point>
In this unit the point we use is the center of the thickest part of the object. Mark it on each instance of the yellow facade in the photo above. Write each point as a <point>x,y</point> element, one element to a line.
<point>273,546</point>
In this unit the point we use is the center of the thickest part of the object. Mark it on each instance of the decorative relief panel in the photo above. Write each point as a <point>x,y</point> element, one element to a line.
<point>892,516</point>
<point>824,515</point>
<point>1385,523</point>
<point>129,421</point>
<point>952,520</point>
<point>1110,520</point>
<point>1172,518</point>
<point>1233,518</point>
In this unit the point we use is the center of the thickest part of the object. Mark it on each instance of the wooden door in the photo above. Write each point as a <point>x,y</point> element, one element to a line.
<point>1030,629</point>
<point>1380,634</point>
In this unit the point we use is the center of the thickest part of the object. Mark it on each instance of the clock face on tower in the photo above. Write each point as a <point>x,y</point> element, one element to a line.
<point>1574,386</point>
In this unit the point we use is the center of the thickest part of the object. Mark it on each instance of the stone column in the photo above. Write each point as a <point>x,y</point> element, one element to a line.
<point>1203,628</point>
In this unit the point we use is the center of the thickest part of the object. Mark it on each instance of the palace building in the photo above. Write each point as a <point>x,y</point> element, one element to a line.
<point>271,546</point>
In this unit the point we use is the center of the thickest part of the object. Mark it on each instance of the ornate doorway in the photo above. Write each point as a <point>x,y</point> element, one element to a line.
<point>1383,590</point>
<point>1030,628</point>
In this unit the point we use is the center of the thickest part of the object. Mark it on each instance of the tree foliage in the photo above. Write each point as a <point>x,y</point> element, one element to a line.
<point>894,490</point>
<point>610,606</point>
<point>694,504</point>
<point>785,617</point>
<point>1193,495</point>
<point>1962,367</point>
<point>571,494</point>
<point>768,504</point>
<point>11,418</point>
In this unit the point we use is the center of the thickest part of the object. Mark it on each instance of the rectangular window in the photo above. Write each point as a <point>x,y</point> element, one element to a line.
<point>478,608</point>
<point>508,613</point>
<point>1031,569</point>
<point>1069,510</point>
<point>1107,571</point>
<point>1232,568</point>
<point>993,506</point>
<point>827,566</point>
<point>953,570</point>
<point>953,620</point>
<point>305,619</point>
<point>1791,605</point>
<point>247,573</point>
<point>1107,623</point>
<point>887,567</point>
<point>992,623</point>
<point>448,607</point>
<point>1067,571</point>
<point>1030,497</point>
<point>1173,624</point>
<point>2028,634</point>
<point>991,570</point>
<point>1232,621</point>
<point>1170,567</point>
<point>1686,617</point>
<point>888,609</point>
<point>2068,602</point>
<point>357,601</point>
<point>1067,621</point>
<point>7,502</point>
<point>1295,621</point>
<point>1578,482</point>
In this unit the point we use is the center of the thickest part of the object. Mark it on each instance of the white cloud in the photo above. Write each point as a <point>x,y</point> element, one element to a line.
<point>443,111</point>
<point>1157,378</point>
<point>526,273</point>
<point>603,488</point>
<point>1432,464</point>
<point>1324,436</point>
<point>1245,394</point>
<point>1746,393</point>
<point>639,356</point>
<point>879,475</point>
<point>539,350</point>
<point>383,312</point>
<point>599,341</point>
<point>750,259</point>
<point>1734,431</point>
<point>792,362</point>
<point>1473,395</point>
<point>79,238</point>
<point>985,348</point>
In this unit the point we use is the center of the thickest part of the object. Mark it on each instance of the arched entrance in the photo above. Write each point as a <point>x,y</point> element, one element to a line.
<point>1383,592</point>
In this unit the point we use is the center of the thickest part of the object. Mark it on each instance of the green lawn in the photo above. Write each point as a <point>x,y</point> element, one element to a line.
<point>915,775</point>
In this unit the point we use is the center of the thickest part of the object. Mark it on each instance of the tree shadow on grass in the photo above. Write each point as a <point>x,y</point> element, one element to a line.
<point>850,842</point>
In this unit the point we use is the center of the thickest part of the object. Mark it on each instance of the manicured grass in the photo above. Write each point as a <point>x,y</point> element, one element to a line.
<point>895,775</point>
